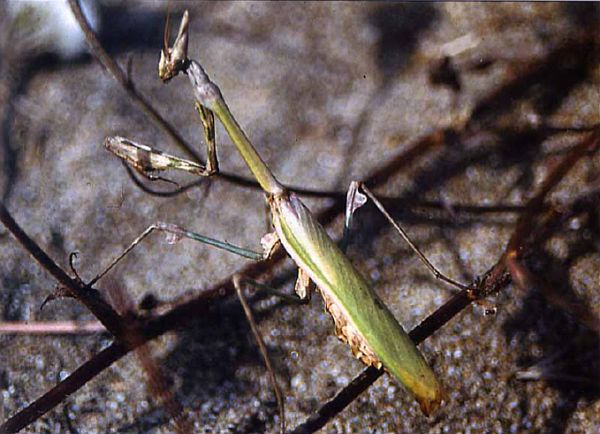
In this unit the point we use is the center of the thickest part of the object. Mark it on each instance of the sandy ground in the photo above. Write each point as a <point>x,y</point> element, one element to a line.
<point>328,92</point>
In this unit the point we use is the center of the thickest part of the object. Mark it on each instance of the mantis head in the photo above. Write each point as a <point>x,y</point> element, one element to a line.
<point>172,60</point>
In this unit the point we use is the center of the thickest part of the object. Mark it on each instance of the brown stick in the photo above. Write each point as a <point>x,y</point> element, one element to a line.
<point>88,296</point>
<point>51,327</point>
<point>146,332</point>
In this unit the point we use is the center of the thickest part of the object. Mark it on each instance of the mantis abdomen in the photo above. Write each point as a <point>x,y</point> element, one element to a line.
<point>361,319</point>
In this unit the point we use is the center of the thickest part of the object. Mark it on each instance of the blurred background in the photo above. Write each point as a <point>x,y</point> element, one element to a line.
<point>455,111</point>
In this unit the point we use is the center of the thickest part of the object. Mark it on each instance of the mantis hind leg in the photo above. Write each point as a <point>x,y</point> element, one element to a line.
<point>356,199</point>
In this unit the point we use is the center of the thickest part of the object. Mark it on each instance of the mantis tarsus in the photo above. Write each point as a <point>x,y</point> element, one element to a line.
<point>360,317</point>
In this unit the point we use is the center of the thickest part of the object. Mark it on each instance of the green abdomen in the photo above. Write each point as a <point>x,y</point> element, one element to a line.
<point>361,319</point>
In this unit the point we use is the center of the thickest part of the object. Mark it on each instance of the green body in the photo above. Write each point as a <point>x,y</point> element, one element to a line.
<point>350,300</point>
<point>314,251</point>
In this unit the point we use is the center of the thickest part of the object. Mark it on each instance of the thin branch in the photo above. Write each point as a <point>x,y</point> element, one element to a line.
<point>263,350</point>
<point>388,201</point>
<point>526,280</point>
<point>88,296</point>
<point>51,327</point>
<point>522,276</point>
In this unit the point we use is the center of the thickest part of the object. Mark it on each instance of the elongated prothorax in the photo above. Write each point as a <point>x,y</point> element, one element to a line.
<point>209,95</point>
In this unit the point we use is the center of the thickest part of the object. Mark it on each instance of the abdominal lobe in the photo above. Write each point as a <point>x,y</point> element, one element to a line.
<point>347,332</point>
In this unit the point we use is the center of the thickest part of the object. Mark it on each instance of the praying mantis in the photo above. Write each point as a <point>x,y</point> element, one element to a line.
<point>361,319</point>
